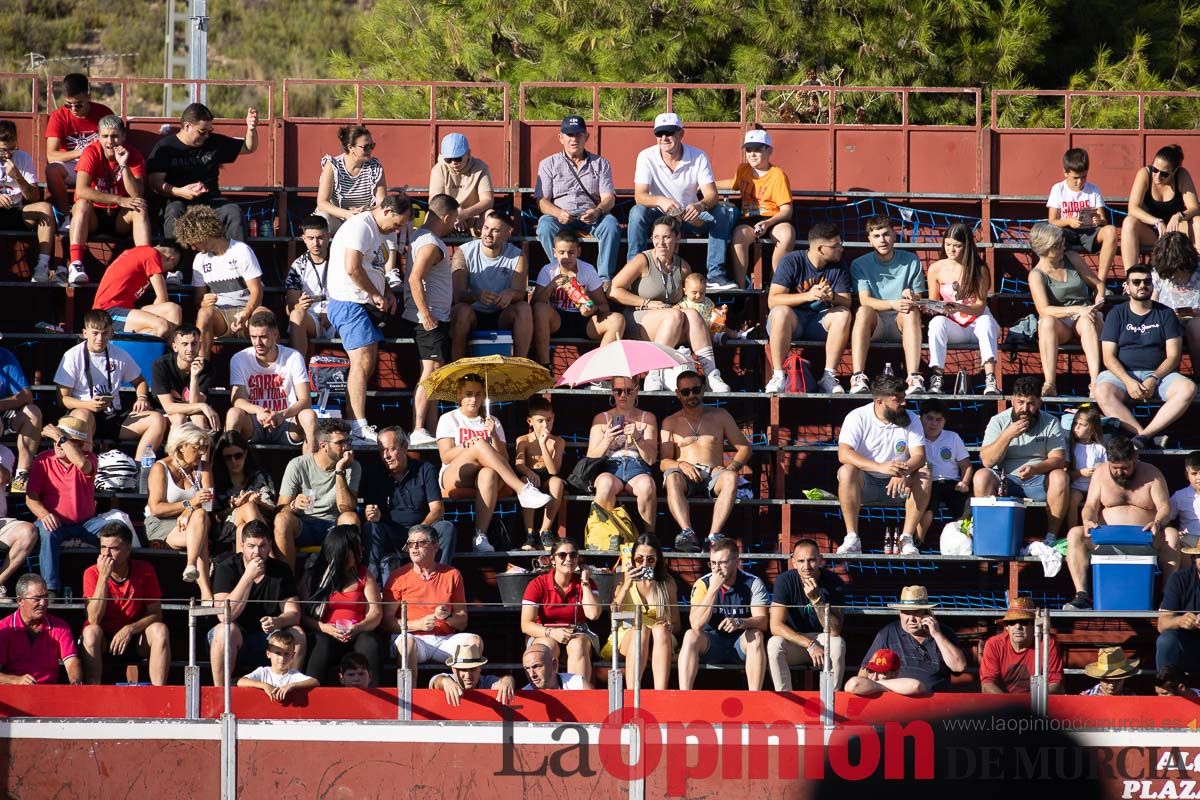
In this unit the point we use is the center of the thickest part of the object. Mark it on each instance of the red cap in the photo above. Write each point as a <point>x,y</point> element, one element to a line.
<point>884,661</point>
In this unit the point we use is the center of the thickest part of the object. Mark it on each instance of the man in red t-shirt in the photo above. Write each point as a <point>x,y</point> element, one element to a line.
<point>71,127</point>
<point>127,278</point>
<point>110,193</point>
<point>1008,657</point>
<point>124,610</point>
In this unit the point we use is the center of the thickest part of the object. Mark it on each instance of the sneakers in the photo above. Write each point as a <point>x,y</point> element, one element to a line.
<point>19,482</point>
<point>907,546</point>
<point>859,383</point>
<point>850,545</point>
<point>480,543</point>
<point>548,539</point>
<point>41,274</point>
<point>420,437</point>
<point>775,385</point>
<point>174,278</point>
<point>916,385</point>
<point>532,542</point>
<point>654,381</point>
<point>76,274</point>
<point>686,541</point>
<point>715,382</point>
<point>712,540</point>
<point>60,275</point>
<point>1081,602</point>
<point>531,497</point>
<point>191,574</point>
<point>394,279</point>
<point>1143,442</point>
<point>936,381</point>
<point>366,435</point>
<point>829,384</point>
<point>989,385</point>
<point>720,283</point>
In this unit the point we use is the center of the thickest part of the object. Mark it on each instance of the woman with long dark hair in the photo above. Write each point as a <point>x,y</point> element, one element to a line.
<point>651,588</point>
<point>1177,285</point>
<point>343,608</point>
<point>1162,200</point>
<point>243,490</point>
<point>557,607</point>
<point>960,281</point>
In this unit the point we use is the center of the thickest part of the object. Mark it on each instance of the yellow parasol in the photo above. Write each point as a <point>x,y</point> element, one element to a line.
<point>504,378</point>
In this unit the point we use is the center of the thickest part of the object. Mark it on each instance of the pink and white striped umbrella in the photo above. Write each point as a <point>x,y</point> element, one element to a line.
<point>623,358</point>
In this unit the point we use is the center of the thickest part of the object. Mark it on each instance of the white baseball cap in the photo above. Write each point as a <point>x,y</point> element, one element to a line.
<point>667,122</point>
<point>757,137</point>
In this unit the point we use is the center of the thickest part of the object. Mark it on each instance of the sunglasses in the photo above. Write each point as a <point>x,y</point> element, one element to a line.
<point>645,559</point>
<point>1139,282</point>
<point>68,104</point>
<point>666,134</point>
<point>453,160</point>
<point>367,147</point>
<point>233,455</point>
<point>623,392</point>
<point>1156,171</point>
<point>566,555</point>
<point>687,391</point>
<point>758,148</point>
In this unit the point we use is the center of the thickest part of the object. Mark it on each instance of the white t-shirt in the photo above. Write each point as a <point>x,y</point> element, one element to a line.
<point>226,275</point>
<point>566,680</point>
<point>1086,455</point>
<point>943,455</point>
<point>877,440</point>
<point>273,387</point>
<point>7,460</point>
<point>680,184</point>
<point>360,232</point>
<point>265,675</point>
<point>10,187</point>
<point>463,429</point>
<point>108,370</point>
<point>585,273</point>
<point>1185,505</point>
<point>438,281</point>
<point>1070,203</point>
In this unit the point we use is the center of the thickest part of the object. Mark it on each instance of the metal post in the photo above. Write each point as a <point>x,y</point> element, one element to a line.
<point>198,49</point>
<point>828,684</point>
<point>637,655</point>
<point>616,681</point>
<point>191,673</point>
<point>1038,680</point>
<point>228,668</point>
<point>404,676</point>
<point>228,756</point>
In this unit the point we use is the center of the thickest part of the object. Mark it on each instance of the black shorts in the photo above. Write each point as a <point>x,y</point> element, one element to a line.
<point>108,426</point>
<point>487,320</point>
<point>106,221</point>
<point>1082,239</point>
<point>11,219</point>
<point>945,494</point>
<point>574,326</point>
<point>433,345</point>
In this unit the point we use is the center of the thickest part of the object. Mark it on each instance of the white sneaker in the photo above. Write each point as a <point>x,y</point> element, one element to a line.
<point>366,435</point>
<point>480,543</point>
<point>989,385</point>
<point>829,385</point>
<point>61,275</point>
<point>394,279</point>
<point>670,377</point>
<point>715,382</point>
<point>916,385</point>
<point>908,547</point>
<point>859,384</point>
<point>420,437</point>
<point>775,385</point>
<point>654,381</point>
<point>41,274</point>
<point>850,545</point>
<point>76,274</point>
<point>531,497</point>
<point>174,278</point>
<point>720,286</point>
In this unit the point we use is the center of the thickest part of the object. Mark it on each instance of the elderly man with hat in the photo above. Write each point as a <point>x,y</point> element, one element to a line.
<point>883,675</point>
<point>676,179</point>
<point>575,190</point>
<point>466,668</point>
<point>463,177</point>
<point>1111,667</point>
<point>1008,657</point>
<point>927,651</point>
<point>1179,618</point>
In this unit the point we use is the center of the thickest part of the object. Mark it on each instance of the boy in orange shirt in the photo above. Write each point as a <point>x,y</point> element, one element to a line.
<point>766,204</point>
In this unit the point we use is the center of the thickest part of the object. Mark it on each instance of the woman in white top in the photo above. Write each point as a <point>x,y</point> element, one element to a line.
<point>1177,285</point>
<point>627,439</point>
<point>181,484</point>
<point>352,182</point>
<point>474,456</point>
<point>961,282</point>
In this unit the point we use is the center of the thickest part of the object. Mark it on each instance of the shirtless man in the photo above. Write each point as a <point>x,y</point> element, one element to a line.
<point>693,460</point>
<point>1123,492</point>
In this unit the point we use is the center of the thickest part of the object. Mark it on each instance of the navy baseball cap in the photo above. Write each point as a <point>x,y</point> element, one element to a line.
<point>573,124</point>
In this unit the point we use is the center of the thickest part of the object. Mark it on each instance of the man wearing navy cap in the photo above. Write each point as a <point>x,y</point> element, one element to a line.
<point>465,178</point>
<point>667,180</point>
<point>575,190</point>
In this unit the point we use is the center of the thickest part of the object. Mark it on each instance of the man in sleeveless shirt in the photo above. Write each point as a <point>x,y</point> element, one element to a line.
<point>490,278</point>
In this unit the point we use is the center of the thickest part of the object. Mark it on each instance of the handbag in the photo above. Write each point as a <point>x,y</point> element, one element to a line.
<point>584,474</point>
<point>798,376</point>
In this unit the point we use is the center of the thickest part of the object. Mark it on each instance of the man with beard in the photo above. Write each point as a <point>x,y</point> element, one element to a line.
<point>1008,657</point>
<point>693,460</point>
<point>1143,345</point>
<point>806,618</point>
<point>1124,491</point>
<point>270,402</point>
<point>490,278</point>
<point>881,448</point>
<point>1026,447</point>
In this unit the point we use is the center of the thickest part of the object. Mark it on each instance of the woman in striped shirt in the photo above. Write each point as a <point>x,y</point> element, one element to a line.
<point>351,182</point>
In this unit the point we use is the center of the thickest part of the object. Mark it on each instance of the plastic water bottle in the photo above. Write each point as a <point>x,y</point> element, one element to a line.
<point>147,461</point>
<point>888,370</point>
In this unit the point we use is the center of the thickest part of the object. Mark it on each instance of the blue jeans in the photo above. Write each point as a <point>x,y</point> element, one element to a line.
<point>717,223</point>
<point>607,231</point>
<point>385,545</point>
<point>1178,647</point>
<point>51,545</point>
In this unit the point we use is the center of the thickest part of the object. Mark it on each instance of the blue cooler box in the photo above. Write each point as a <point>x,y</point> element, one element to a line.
<point>998,526</point>
<point>1123,578</point>
<point>490,343</point>
<point>1121,535</point>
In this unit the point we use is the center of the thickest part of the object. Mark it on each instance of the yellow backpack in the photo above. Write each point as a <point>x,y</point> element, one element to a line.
<point>608,530</point>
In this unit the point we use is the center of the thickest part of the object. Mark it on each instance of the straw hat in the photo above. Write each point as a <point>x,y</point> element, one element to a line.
<point>1112,664</point>
<point>466,656</point>
<point>1190,545</point>
<point>73,428</point>
<point>1019,610</point>
<point>913,598</point>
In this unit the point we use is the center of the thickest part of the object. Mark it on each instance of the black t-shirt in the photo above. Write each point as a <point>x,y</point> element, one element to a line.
<point>1141,339</point>
<point>183,165</point>
<point>166,378</point>
<point>1182,592</point>
<point>789,591</point>
<point>266,597</point>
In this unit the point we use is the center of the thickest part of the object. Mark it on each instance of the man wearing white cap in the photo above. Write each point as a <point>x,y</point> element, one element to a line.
<point>666,180</point>
<point>463,177</point>
<point>575,190</point>
<point>466,668</point>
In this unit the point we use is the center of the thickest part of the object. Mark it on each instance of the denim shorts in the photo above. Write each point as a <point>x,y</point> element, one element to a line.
<point>1141,374</point>
<point>625,468</point>
<point>1033,489</point>
<point>723,648</point>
